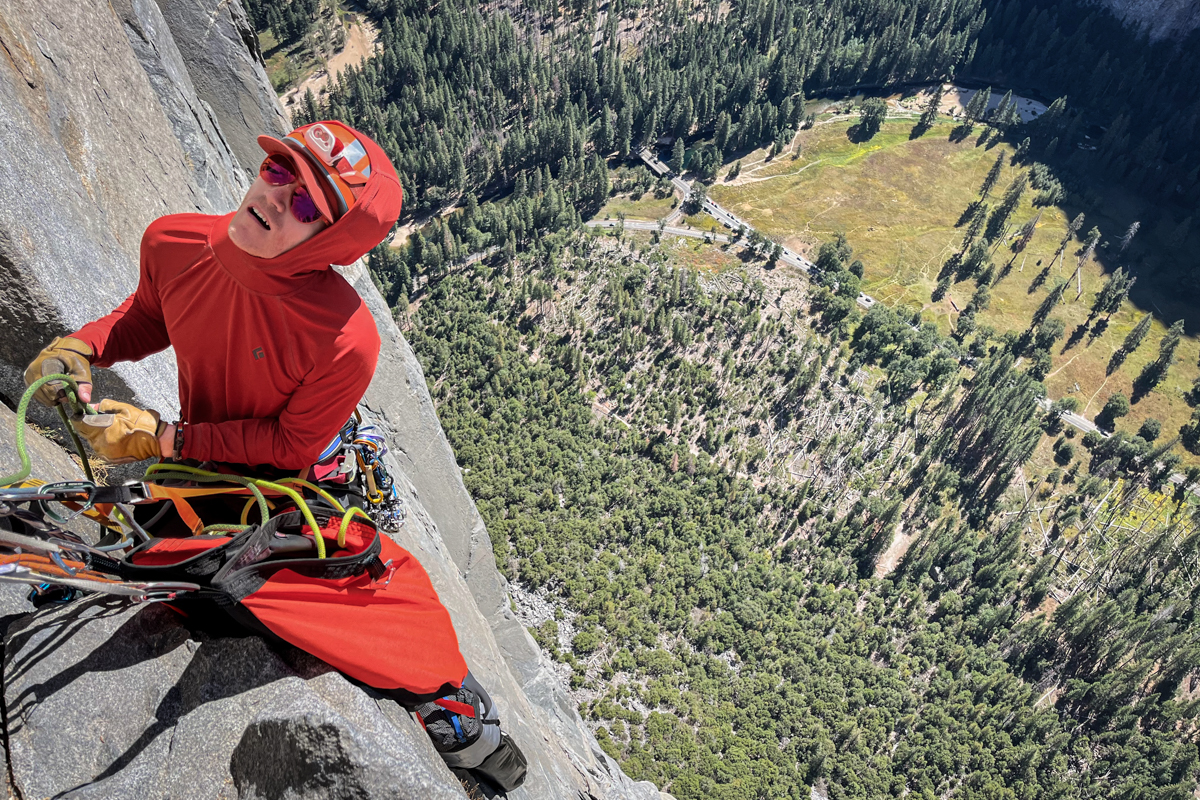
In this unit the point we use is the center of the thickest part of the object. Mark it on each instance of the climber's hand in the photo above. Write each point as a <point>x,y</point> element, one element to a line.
<point>64,354</point>
<point>122,432</point>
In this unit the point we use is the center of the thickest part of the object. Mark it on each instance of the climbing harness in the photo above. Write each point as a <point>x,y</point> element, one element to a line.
<point>312,571</point>
<point>34,514</point>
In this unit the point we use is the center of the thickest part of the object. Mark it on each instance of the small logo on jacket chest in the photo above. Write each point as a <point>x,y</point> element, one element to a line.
<point>258,353</point>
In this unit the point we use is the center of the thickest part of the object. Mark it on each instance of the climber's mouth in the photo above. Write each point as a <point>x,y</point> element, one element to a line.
<point>261,220</point>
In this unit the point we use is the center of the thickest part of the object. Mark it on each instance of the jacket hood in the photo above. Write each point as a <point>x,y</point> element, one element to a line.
<point>365,225</point>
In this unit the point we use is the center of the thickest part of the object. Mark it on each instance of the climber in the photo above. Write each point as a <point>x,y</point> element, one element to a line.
<point>275,350</point>
<point>274,347</point>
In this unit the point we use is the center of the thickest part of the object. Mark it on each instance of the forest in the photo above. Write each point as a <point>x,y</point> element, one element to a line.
<point>708,474</point>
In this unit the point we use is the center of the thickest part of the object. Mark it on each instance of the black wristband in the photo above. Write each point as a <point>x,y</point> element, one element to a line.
<point>179,440</point>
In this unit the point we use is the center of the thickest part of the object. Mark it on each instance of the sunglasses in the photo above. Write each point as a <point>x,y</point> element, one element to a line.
<point>278,171</point>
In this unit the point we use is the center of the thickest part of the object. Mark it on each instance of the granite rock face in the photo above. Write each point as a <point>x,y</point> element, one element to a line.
<point>102,134</point>
<point>226,65</point>
<point>112,127</point>
<point>114,702</point>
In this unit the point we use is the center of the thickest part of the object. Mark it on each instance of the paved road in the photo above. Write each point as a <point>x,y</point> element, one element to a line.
<point>642,225</point>
<point>731,220</point>
<point>1074,420</point>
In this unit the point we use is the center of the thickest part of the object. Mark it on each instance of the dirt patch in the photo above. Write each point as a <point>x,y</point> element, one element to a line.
<point>887,562</point>
<point>361,36</point>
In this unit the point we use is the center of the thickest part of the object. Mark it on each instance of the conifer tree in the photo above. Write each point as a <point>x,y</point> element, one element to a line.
<point>1154,372</point>
<point>1072,228</point>
<point>1012,197</point>
<point>871,117</point>
<point>721,134</point>
<point>677,156</point>
<point>1128,237</point>
<point>1115,290</point>
<point>929,114</point>
<point>1021,152</point>
<point>977,105</point>
<point>1136,336</point>
<point>1047,305</point>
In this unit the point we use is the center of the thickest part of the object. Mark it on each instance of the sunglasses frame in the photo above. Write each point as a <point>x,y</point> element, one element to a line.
<point>302,191</point>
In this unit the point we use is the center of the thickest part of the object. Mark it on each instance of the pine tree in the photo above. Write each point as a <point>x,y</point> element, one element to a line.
<point>721,134</point>
<point>1109,299</point>
<point>1128,237</point>
<point>677,156</point>
<point>650,132</point>
<point>1072,228</point>
<point>1088,249</point>
<point>1021,152</point>
<point>1168,344</point>
<point>1115,407</point>
<point>1000,117</point>
<point>1154,372</point>
<point>977,105</point>
<point>871,117</point>
<point>1026,235</point>
<point>929,114</point>
<point>1012,197</point>
<point>1052,299</point>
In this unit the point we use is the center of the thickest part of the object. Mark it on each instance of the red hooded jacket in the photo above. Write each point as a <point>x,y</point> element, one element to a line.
<point>273,354</point>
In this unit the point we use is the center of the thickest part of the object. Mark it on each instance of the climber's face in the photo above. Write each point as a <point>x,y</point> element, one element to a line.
<point>268,223</point>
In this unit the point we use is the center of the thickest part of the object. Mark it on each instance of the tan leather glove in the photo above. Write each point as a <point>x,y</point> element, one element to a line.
<point>122,432</point>
<point>64,354</point>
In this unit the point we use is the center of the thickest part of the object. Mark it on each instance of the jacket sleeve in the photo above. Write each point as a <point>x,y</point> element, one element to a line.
<point>135,329</point>
<point>315,412</point>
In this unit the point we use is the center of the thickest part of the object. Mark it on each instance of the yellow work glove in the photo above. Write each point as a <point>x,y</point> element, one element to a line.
<point>64,354</point>
<point>121,432</point>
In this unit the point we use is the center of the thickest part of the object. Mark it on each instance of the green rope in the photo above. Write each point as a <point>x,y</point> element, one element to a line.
<point>87,464</point>
<point>182,472</point>
<point>224,529</point>
<point>162,472</point>
<point>349,515</point>
<point>23,409</point>
<point>158,472</point>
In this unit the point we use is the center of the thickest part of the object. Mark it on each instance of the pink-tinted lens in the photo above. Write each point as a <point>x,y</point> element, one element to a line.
<point>303,207</point>
<point>276,172</point>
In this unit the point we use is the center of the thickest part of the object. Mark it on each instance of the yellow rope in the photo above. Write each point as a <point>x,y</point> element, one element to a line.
<point>162,471</point>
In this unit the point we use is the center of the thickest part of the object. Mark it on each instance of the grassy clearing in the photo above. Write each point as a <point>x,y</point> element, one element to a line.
<point>287,64</point>
<point>897,201</point>
<point>704,222</point>
<point>646,207</point>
